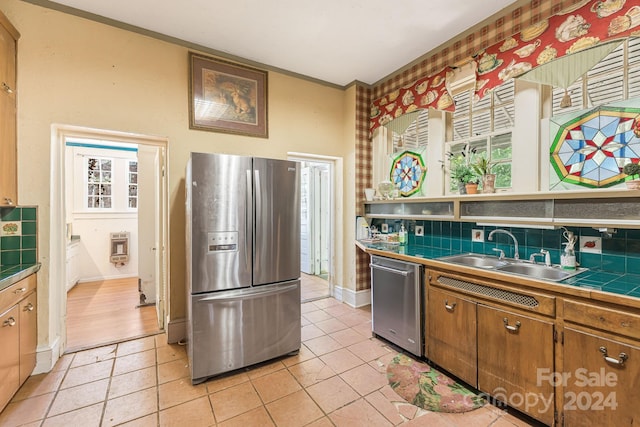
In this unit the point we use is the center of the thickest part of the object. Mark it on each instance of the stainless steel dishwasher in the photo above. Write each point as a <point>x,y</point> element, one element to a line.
<point>396,301</point>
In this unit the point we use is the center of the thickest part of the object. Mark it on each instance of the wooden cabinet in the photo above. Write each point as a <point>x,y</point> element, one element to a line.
<point>494,337</point>
<point>10,358</point>
<point>18,335</point>
<point>8,140</point>
<point>511,350</point>
<point>28,336</point>
<point>602,380</point>
<point>451,334</point>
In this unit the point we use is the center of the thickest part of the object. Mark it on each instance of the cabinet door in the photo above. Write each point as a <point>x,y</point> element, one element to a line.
<point>10,356</point>
<point>8,157</point>
<point>451,326</point>
<point>512,349</point>
<point>28,336</point>
<point>599,389</point>
<point>8,62</point>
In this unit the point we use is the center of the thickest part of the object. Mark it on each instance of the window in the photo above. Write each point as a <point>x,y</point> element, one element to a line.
<point>483,128</point>
<point>414,136</point>
<point>99,183</point>
<point>104,177</point>
<point>615,78</point>
<point>133,184</point>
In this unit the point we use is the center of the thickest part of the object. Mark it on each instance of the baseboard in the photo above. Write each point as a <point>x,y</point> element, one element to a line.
<point>46,357</point>
<point>99,278</point>
<point>176,330</point>
<point>355,299</point>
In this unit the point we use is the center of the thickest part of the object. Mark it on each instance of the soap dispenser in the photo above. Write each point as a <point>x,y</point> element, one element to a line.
<point>402,235</point>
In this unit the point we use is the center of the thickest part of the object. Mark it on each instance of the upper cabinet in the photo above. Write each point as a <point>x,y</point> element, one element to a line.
<point>8,135</point>
<point>593,208</point>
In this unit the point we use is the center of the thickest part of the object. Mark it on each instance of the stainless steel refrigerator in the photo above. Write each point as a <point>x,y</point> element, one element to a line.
<point>243,261</point>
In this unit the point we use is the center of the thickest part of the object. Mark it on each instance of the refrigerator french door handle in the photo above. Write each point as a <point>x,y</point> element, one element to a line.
<point>248,221</point>
<point>258,293</point>
<point>257,219</point>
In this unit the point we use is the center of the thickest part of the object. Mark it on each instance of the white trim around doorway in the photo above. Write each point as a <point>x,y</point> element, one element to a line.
<point>55,322</point>
<point>336,225</point>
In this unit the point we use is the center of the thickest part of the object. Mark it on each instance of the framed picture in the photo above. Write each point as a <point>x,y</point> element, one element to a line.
<point>227,97</point>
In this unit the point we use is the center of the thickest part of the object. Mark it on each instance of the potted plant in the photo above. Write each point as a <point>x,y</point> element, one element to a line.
<point>463,175</point>
<point>482,167</point>
<point>633,171</point>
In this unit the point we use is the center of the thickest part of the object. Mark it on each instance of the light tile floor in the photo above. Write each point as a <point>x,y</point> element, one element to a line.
<point>313,287</point>
<point>337,379</point>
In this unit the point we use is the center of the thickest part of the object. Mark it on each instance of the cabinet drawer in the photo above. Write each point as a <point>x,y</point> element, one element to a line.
<point>495,291</point>
<point>14,293</point>
<point>615,321</point>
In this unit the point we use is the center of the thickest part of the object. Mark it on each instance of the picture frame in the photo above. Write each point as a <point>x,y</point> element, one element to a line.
<point>227,97</point>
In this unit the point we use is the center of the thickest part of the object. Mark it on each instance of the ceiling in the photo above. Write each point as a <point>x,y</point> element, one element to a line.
<point>336,41</point>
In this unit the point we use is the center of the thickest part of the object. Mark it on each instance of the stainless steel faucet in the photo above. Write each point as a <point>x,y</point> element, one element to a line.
<point>515,241</point>
<point>542,253</point>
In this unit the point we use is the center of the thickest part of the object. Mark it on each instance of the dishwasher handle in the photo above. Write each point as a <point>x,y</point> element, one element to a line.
<point>391,270</point>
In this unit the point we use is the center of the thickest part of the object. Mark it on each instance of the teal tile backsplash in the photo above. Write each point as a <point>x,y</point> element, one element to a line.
<point>620,252</point>
<point>19,248</point>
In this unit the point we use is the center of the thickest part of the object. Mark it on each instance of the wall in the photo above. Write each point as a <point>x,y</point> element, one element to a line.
<point>78,72</point>
<point>95,247</point>
<point>620,252</point>
<point>19,247</point>
<point>94,227</point>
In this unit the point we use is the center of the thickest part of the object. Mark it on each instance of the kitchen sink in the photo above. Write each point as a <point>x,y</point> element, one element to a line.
<point>538,271</point>
<point>475,260</point>
<point>513,266</point>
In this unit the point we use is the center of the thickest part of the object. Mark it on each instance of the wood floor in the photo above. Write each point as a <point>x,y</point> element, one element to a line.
<point>105,312</point>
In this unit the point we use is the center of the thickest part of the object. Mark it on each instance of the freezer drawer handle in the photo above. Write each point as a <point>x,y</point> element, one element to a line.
<point>391,270</point>
<point>224,298</point>
<point>449,307</point>
<point>622,357</point>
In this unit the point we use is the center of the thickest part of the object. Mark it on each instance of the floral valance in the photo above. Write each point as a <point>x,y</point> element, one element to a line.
<point>586,24</point>
<point>427,92</point>
<point>583,25</point>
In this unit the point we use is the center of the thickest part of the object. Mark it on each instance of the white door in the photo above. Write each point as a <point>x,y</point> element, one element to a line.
<point>325,221</point>
<point>306,256</point>
<point>149,226</point>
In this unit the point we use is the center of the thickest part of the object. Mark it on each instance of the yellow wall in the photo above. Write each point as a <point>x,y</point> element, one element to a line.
<point>74,71</point>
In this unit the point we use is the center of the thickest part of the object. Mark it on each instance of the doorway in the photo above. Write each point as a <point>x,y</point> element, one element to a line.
<point>316,213</point>
<point>115,222</point>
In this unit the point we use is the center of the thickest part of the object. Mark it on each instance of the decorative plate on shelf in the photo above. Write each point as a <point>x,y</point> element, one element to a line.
<point>408,172</point>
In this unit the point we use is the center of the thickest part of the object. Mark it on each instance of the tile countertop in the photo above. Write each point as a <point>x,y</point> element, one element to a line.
<point>588,281</point>
<point>10,274</point>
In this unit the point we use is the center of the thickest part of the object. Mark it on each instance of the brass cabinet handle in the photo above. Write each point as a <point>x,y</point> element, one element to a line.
<point>8,201</point>
<point>6,88</point>
<point>9,322</point>
<point>20,290</point>
<point>449,307</point>
<point>512,328</point>
<point>29,307</point>
<point>622,357</point>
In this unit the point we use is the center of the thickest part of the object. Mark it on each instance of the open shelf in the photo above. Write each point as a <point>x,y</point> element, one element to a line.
<point>607,208</point>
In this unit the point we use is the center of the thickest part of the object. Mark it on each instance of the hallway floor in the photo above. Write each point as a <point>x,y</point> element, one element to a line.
<point>337,379</point>
<point>313,287</point>
<point>105,312</point>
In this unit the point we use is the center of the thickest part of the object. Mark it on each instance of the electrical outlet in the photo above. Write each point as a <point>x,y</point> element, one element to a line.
<point>419,230</point>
